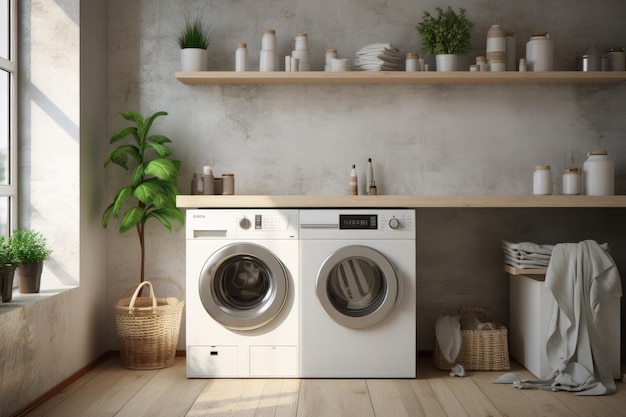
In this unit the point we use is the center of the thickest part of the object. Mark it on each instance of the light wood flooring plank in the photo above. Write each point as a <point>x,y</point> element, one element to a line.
<point>168,394</point>
<point>334,398</point>
<point>280,398</point>
<point>104,394</point>
<point>437,382</point>
<point>394,397</point>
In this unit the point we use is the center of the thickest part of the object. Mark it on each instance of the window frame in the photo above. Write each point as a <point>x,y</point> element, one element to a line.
<point>11,66</point>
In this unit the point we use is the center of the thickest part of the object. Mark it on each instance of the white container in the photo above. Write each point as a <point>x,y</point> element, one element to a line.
<point>496,48</point>
<point>411,62</point>
<point>302,52</point>
<point>241,57</point>
<point>269,53</point>
<point>194,59</point>
<point>542,180</point>
<point>540,52</point>
<point>354,182</point>
<point>599,174</point>
<point>446,62</point>
<point>369,176</point>
<point>572,183</point>
<point>207,180</point>
<point>330,55</point>
<point>481,62</point>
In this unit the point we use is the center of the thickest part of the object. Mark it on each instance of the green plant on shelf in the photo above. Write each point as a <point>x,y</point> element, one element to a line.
<point>446,33</point>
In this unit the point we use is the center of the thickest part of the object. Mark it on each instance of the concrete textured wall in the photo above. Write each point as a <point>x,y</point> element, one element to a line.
<point>62,131</point>
<point>423,139</point>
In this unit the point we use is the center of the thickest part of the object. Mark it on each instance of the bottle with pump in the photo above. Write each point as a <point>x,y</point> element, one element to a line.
<point>369,176</point>
<point>354,182</point>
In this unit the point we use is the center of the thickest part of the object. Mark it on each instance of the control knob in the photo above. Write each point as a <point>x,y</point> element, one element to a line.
<point>394,223</point>
<point>245,223</point>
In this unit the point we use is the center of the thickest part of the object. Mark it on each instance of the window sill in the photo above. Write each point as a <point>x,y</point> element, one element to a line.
<point>25,299</point>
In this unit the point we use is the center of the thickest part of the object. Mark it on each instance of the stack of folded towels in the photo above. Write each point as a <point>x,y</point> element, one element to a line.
<point>378,57</point>
<point>526,255</point>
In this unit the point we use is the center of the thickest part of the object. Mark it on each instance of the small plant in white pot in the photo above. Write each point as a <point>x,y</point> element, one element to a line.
<point>445,36</point>
<point>194,39</point>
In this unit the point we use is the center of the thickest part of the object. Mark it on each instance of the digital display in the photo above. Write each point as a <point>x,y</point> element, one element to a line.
<point>358,221</point>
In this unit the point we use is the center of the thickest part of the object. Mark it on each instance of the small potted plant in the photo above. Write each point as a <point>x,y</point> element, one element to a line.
<point>194,38</point>
<point>30,249</point>
<point>7,268</point>
<point>445,36</point>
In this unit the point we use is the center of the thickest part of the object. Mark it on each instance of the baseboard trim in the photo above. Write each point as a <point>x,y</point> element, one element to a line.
<point>64,384</point>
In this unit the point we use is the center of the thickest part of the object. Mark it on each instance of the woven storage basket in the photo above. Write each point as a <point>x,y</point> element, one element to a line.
<point>147,329</point>
<point>481,350</point>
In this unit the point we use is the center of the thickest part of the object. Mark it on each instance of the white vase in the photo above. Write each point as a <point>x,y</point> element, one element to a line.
<point>446,62</point>
<point>193,59</point>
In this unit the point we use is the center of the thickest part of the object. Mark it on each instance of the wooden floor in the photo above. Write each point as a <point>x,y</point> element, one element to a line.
<point>110,390</point>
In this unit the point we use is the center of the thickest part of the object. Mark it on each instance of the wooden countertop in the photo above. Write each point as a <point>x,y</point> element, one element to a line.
<point>395,201</point>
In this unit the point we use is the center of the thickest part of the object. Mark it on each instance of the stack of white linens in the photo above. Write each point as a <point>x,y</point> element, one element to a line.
<point>526,255</point>
<point>378,57</point>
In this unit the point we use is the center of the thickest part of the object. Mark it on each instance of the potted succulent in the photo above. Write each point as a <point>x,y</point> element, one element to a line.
<point>194,38</point>
<point>445,36</point>
<point>30,249</point>
<point>7,268</point>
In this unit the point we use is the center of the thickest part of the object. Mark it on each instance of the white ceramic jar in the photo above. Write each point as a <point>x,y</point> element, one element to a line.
<point>599,172</point>
<point>542,180</point>
<point>540,52</point>
<point>572,182</point>
<point>269,54</point>
<point>241,57</point>
<point>302,52</point>
<point>411,62</point>
<point>496,48</point>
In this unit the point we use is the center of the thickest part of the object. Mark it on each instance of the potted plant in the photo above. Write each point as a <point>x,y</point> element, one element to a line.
<point>152,185</point>
<point>30,249</point>
<point>7,269</point>
<point>194,38</point>
<point>150,193</point>
<point>446,36</point>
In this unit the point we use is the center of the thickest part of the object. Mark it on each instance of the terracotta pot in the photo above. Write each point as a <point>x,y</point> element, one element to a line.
<point>6,282</point>
<point>30,277</point>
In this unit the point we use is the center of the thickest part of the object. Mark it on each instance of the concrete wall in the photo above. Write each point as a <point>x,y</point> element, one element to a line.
<point>62,122</point>
<point>301,139</point>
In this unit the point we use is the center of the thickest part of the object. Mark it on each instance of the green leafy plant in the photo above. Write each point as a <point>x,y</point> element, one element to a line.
<point>194,33</point>
<point>448,33</point>
<point>29,246</point>
<point>6,251</point>
<point>152,185</point>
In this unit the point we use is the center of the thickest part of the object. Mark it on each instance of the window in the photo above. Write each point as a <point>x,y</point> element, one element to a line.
<point>8,116</point>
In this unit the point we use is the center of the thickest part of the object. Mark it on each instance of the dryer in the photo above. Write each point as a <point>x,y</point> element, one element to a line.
<point>242,286</point>
<point>357,294</point>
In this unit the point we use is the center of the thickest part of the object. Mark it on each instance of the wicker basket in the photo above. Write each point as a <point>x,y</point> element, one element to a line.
<point>147,329</point>
<point>481,350</point>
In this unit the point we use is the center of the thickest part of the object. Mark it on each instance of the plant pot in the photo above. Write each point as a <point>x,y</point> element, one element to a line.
<point>6,282</point>
<point>193,59</point>
<point>447,62</point>
<point>30,277</point>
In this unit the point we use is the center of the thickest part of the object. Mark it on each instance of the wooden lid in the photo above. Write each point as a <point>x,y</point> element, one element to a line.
<point>542,167</point>
<point>269,32</point>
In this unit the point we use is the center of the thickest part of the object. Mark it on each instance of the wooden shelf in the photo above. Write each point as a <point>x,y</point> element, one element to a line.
<point>400,77</point>
<point>391,201</point>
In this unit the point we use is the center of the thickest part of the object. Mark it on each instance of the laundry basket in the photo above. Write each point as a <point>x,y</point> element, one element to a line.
<point>482,349</point>
<point>147,329</point>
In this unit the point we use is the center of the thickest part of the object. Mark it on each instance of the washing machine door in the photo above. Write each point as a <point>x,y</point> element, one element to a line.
<point>243,286</point>
<point>358,287</point>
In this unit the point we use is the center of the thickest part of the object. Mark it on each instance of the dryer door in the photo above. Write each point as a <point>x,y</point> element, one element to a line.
<point>358,287</point>
<point>243,286</point>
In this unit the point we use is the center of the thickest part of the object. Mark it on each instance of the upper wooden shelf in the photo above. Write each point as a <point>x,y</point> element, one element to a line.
<point>395,201</point>
<point>400,77</point>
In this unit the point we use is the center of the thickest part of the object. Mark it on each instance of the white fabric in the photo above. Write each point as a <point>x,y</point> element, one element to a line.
<point>379,57</point>
<point>448,333</point>
<point>581,277</point>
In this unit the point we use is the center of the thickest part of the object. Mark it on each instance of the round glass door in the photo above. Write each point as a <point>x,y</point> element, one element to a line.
<point>243,286</point>
<point>358,287</point>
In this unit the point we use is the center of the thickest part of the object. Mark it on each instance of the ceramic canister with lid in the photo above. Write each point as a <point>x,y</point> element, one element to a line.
<point>269,53</point>
<point>496,48</point>
<point>572,182</point>
<point>542,180</point>
<point>540,52</point>
<point>599,171</point>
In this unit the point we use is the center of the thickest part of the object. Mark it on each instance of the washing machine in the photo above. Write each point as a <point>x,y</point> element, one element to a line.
<point>358,293</point>
<point>242,312</point>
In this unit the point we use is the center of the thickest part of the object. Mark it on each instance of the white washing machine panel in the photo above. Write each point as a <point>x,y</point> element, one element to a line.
<point>241,297</point>
<point>357,294</point>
